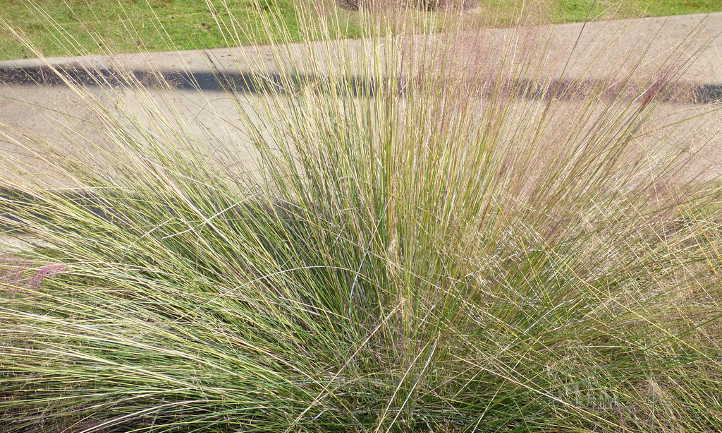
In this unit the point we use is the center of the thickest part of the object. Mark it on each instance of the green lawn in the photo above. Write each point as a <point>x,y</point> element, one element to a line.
<point>131,25</point>
<point>577,10</point>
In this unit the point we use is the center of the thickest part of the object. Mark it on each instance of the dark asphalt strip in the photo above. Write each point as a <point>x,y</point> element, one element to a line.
<point>681,92</point>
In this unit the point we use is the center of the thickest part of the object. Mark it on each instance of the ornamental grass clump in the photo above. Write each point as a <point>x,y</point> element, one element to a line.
<point>405,239</point>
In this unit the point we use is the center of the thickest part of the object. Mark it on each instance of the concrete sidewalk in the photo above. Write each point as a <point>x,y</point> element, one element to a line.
<point>606,45</point>
<point>598,51</point>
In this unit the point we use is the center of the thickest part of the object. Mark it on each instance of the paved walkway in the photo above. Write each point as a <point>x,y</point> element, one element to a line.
<point>604,49</point>
<point>605,45</point>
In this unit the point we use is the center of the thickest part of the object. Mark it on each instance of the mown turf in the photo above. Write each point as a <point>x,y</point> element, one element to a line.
<point>138,25</point>
<point>133,25</point>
